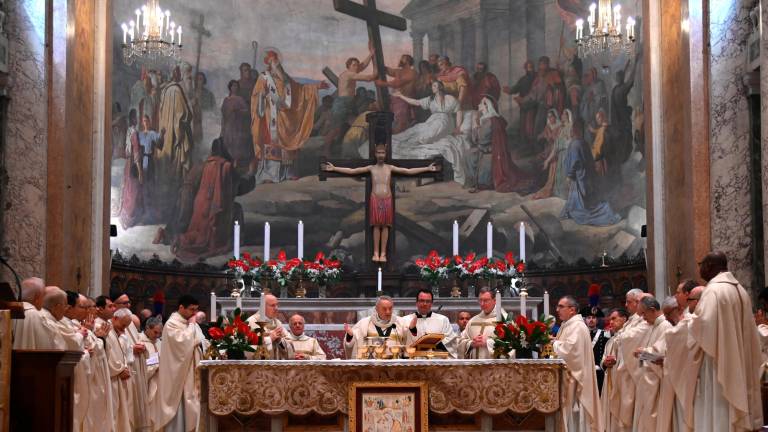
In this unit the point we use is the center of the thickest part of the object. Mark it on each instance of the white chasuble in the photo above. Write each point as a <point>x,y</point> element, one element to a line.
<point>281,350</point>
<point>481,323</point>
<point>432,323</point>
<point>306,345</point>
<point>373,326</point>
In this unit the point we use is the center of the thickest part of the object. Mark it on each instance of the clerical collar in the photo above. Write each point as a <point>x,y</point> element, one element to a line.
<point>429,314</point>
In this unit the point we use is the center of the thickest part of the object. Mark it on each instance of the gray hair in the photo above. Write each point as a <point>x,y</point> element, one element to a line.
<point>634,293</point>
<point>31,288</point>
<point>383,298</point>
<point>669,303</point>
<point>153,322</point>
<point>53,297</point>
<point>120,313</point>
<point>571,301</point>
<point>297,315</point>
<point>650,303</point>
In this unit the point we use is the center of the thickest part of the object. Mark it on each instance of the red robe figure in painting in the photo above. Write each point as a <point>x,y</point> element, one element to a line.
<point>210,229</point>
<point>457,83</point>
<point>484,83</point>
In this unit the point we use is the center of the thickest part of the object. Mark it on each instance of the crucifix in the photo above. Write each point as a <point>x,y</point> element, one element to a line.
<point>199,27</point>
<point>380,133</point>
<point>374,18</point>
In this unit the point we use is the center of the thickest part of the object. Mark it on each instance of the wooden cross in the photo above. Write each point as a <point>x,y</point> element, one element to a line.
<point>374,18</point>
<point>199,27</point>
<point>380,131</point>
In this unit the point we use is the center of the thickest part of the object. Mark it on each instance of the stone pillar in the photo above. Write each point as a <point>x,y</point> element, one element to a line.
<point>418,47</point>
<point>730,157</point>
<point>764,130</point>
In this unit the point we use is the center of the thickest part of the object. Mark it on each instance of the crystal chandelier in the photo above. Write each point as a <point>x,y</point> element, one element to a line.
<point>152,38</point>
<point>605,31</point>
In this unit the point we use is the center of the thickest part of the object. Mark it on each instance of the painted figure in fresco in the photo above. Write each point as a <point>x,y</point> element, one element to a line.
<point>246,82</point>
<point>528,106</point>
<point>136,199</point>
<point>484,83</point>
<point>554,164</point>
<point>235,128</point>
<point>422,89</point>
<point>344,107</point>
<point>457,83</point>
<point>282,113</point>
<point>548,91</point>
<point>210,230</point>
<point>202,100</point>
<point>583,204</point>
<point>404,81</point>
<point>173,157</point>
<point>381,209</point>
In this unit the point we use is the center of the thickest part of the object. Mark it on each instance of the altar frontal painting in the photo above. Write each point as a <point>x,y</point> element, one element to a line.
<point>397,406</point>
<point>528,131</point>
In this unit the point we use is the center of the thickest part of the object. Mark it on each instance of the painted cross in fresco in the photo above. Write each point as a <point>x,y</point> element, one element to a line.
<point>374,18</point>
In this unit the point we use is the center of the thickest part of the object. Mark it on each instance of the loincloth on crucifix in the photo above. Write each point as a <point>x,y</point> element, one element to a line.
<point>381,212</point>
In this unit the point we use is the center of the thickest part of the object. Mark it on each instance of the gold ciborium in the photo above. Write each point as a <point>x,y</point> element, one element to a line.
<point>261,352</point>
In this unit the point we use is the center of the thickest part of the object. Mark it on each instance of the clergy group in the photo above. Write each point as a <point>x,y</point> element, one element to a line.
<point>693,362</point>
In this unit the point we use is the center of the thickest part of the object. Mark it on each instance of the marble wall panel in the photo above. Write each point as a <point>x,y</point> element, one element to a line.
<point>729,139</point>
<point>24,218</point>
<point>764,128</point>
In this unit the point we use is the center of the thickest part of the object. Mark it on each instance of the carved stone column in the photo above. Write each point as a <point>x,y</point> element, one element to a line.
<point>418,47</point>
<point>481,37</point>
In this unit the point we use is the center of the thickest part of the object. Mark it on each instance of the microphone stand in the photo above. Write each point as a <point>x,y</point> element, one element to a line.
<point>15,275</point>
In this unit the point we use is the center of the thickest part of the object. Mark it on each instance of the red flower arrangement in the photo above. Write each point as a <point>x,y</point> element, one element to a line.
<point>321,271</point>
<point>234,336</point>
<point>521,335</point>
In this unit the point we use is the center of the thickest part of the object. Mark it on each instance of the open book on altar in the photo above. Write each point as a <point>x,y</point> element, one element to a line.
<point>430,346</point>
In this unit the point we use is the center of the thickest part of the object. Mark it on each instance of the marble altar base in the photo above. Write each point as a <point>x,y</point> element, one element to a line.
<point>466,395</point>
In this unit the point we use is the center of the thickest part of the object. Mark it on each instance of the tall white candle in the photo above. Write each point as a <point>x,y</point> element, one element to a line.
<point>522,304</point>
<point>300,254</point>
<point>179,30</point>
<point>236,241</point>
<point>497,308</point>
<point>546,303</point>
<point>455,238</point>
<point>266,241</point>
<point>262,307</point>
<point>138,18</point>
<point>213,306</point>
<point>378,280</point>
<point>489,240</point>
<point>522,241</point>
<point>239,303</point>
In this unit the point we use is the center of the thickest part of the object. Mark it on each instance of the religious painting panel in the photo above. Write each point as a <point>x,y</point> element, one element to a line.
<point>530,130</point>
<point>388,406</point>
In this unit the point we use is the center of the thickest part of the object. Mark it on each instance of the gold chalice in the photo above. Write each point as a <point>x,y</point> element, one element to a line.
<point>411,351</point>
<point>362,352</point>
<point>395,350</point>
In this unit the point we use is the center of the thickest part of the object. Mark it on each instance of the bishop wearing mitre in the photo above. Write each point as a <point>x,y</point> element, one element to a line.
<point>726,347</point>
<point>381,323</point>
<point>477,339</point>
<point>274,335</point>
<point>425,321</point>
<point>581,406</point>
<point>304,347</point>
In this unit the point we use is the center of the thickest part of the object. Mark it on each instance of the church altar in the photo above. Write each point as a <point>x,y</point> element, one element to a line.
<point>284,393</point>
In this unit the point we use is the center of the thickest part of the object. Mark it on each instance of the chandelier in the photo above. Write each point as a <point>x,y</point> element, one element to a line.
<point>605,31</point>
<point>152,38</point>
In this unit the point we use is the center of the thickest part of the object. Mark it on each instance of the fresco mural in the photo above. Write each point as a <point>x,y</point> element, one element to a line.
<point>235,131</point>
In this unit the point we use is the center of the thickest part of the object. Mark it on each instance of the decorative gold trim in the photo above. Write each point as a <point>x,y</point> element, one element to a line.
<point>406,386</point>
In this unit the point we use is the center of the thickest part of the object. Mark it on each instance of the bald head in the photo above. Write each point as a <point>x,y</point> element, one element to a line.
<point>32,291</point>
<point>55,301</point>
<point>384,307</point>
<point>296,323</point>
<point>693,298</point>
<point>713,264</point>
<point>271,306</point>
<point>671,310</point>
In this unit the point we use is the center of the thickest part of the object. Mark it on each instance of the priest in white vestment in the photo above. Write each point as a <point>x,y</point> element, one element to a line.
<point>648,388</point>
<point>611,396</point>
<point>27,331</point>
<point>119,353</point>
<point>177,402</point>
<point>51,334</point>
<point>77,334</point>
<point>425,321</point>
<point>476,341</point>
<point>382,323</point>
<point>99,417</point>
<point>150,337</point>
<point>724,338</point>
<point>304,347</point>
<point>581,398</point>
<point>628,370</point>
<point>138,367</point>
<point>274,338</point>
<point>679,382</point>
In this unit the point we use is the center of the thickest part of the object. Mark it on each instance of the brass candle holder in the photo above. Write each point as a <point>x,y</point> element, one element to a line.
<point>301,292</point>
<point>261,352</point>
<point>456,289</point>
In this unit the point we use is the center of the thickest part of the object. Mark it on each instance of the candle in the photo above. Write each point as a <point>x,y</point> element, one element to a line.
<point>546,303</point>
<point>523,296</point>
<point>239,303</point>
<point>236,246</point>
<point>378,280</point>
<point>455,238</point>
<point>522,241</point>
<point>266,241</point>
<point>179,30</point>
<point>489,240</point>
<point>213,306</point>
<point>579,28</point>
<point>617,17</point>
<point>592,8</point>
<point>301,240</point>
<point>138,17</point>
<point>167,21</point>
<point>497,308</point>
<point>173,30</point>
<point>125,32</point>
<point>263,307</point>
